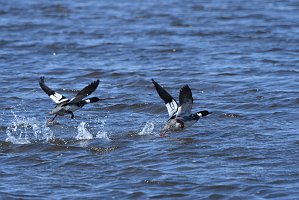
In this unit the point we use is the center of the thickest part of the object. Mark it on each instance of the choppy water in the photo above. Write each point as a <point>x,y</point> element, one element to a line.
<point>239,57</point>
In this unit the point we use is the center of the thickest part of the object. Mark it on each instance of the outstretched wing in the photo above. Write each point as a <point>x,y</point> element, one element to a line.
<point>56,97</point>
<point>170,103</point>
<point>186,101</point>
<point>85,91</point>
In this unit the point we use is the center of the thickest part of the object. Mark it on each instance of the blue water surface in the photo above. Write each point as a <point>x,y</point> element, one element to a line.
<point>240,58</point>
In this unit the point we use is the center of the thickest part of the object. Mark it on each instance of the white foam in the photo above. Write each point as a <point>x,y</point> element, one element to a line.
<point>102,134</point>
<point>83,133</point>
<point>24,130</point>
<point>148,129</point>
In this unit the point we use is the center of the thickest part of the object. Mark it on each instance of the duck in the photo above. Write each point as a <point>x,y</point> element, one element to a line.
<point>65,106</point>
<point>180,116</point>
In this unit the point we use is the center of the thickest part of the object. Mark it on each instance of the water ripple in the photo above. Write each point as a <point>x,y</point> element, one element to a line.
<point>239,59</point>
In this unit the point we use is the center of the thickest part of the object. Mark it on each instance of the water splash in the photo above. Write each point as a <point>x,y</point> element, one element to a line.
<point>83,133</point>
<point>25,130</point>
<point>102,134</point>
<point>148,129</point>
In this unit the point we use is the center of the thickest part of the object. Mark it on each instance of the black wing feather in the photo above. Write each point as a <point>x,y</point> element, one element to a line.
<point>186,101</point>
<point>85,91</point>
<point>170,102</point>
<point>162,92</point>
<point>56,97</point>
<point>185,95</point>
<point>45,88</point>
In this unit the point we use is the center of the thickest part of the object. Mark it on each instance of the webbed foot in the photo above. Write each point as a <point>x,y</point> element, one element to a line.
<point>163,134</point>
<point>52,120</point>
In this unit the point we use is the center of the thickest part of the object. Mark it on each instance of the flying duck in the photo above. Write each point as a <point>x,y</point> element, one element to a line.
<point>68,106</point>
<point>180,115</point>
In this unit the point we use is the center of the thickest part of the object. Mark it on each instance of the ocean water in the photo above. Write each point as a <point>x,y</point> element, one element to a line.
<point>240,58</point>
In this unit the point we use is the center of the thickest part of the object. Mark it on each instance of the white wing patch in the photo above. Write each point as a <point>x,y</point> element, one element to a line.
<point>172,108</point>
<point>58,98</point>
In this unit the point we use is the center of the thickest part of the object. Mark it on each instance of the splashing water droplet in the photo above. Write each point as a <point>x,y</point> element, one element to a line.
<point>83,133</point>
<point>102,134</point>
<point>147,129</point>
<point>24,130</point>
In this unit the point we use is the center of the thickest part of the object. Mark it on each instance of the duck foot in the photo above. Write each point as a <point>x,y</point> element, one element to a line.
<point>163,134</point>
<point>51,121</point>
<point>72,115</point>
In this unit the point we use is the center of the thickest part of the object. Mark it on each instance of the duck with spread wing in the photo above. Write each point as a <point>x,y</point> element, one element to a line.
<point>180,115</point>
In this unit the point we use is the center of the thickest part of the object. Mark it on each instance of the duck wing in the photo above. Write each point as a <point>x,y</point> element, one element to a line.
<point>170,103</point>
<point>85,92</point>
<point>56,97</point>
<point>186,101</point>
